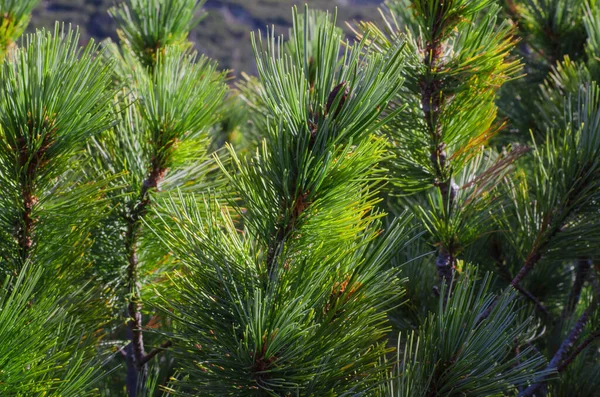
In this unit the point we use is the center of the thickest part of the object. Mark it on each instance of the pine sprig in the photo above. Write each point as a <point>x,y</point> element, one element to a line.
<point>554,28</point>
<point>47,354</point>
<point>53,97</point>
<point>563,188</point>
<point>453,352</point>
<point>147,27</point>
<point>282,337</point>
<point>14,18</point>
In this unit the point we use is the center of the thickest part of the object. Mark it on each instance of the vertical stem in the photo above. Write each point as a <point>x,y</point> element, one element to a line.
<point>444,263</point>
<point>134,307</point>
<point>432,100</point>
<point>24,234</point>
<point>136,353</point>
<point>581,272</point>
<point>132,372</point>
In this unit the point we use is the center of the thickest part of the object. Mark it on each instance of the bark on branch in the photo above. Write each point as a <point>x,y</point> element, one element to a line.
<point>138,359</point>
<point>559,356</point>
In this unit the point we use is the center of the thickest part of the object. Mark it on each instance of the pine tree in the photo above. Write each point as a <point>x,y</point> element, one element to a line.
<point>293,304</point>
<point>410,213</point>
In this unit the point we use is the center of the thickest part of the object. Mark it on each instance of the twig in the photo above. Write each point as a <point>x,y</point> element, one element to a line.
<point>578,350</point>
<point>121,350</point>
<point>538,305</point>
<point>432,101</point>
<point>154,352</point>
<point>581,273</point>
<point>558,357</point>
<point>137,356</point>
<point>530,262</point>
<point>505,273</point>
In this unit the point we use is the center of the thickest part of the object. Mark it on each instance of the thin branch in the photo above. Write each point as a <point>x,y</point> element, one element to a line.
<point>581,272</point>
<point>530,262</point>
<point>544,236</point>
<point>155,351</point>
<point>25,232</point>
<point>445,264</point>
<point>538,305</point>
<point>560,354</point>
<point>134,306</point>
<point>578,349</point>
<point>432,100</point>
<point>29,161</point>
<point>505,273</point>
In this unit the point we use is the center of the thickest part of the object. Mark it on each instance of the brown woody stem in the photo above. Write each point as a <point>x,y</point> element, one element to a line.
<point>560,354</point>
<point>432,101</point>
<point>24,237</point>
<point>581,273</point>
<point>154,352</point>
<point>578,350</point>
<point>137,357</point>
<point>538,305</point>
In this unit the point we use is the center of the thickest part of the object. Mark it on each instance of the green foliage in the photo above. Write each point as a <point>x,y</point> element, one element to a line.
<point>161,233</point>
<point>458,55</point>
<point>14,18</point>
<point>466,79</point>
<point>563,186</point>
<point>46,354</point>
<point>164,119</point>
<point>147,26</point>
<point>280,307</point>
<point>313,328</point>
<point>554,27</point>
<point>454,353</point>
<point>53,97</point>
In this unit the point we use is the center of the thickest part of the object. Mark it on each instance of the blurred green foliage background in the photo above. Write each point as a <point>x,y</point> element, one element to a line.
<point>224,34</point>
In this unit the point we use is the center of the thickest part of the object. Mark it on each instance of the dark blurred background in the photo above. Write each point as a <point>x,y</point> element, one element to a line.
<point>224,34</point>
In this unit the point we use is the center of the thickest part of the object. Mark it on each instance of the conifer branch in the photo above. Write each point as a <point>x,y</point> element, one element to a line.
<point>538,305</point>
<point>530,262</point>
<point>29,162</point>
<point>134,307</point>
<point>545,235</point>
